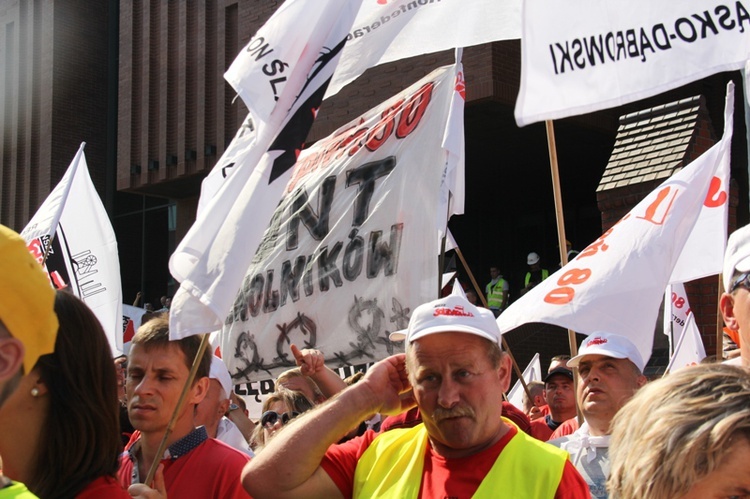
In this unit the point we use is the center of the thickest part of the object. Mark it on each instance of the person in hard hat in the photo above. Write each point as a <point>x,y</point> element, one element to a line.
<point>536,273</point>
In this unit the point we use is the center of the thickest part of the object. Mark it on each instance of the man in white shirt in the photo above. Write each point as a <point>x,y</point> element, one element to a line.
<point>610,372</point>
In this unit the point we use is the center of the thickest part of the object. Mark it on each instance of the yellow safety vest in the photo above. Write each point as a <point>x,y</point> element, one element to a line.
<point>545,274</point>
<point>495,294</point>
<point>392,467</point>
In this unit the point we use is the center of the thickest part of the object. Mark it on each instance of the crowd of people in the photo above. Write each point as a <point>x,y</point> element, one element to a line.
<point>429,422</point>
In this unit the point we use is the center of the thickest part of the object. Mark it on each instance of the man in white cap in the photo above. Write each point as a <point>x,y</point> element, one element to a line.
<point>456,373</point>
<point>210,412</point>
<point>610,371</point>
<point>735,301</point>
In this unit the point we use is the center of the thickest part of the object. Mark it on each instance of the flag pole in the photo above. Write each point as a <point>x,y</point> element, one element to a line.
<point>557,192</point>
<point>518,372</point>
<point>561,239</point>
<point>177,409</point>
<point>719,328</point>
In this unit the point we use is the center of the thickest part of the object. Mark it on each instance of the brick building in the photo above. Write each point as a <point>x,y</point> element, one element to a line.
<point>142,83</point>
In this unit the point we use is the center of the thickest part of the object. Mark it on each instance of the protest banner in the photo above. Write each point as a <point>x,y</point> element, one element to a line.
<point>616,283</point>
<point>211,259</point>
<point>72,237</point>
<point>612,53</point>
<point>350,249</point>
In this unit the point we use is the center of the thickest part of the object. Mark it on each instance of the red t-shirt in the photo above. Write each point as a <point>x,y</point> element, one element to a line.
<point>459,477</point>
<point>540,429</point>
<point>567,428</point>
<point>104,486</point>
<point>210,470</point>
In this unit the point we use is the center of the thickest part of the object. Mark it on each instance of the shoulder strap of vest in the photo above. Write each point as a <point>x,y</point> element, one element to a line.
<point>392,465</point>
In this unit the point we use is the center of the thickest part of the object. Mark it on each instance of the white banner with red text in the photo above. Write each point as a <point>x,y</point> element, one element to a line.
<point>616,284</point>
<point>350,249</point>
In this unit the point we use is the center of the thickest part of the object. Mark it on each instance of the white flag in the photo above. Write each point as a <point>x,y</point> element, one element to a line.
<point>211,259</point>
<point>703,254</point>
<point>533,372</point>
<point>581,56</point>
<point>83,256</point>
<point>386,31</point>
<point>676,311</point>
<point>689,350</point>
<point>343,261</point>
<point>616,283</point>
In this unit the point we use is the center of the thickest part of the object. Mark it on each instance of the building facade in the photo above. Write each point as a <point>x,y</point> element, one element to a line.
<point>141,81</point>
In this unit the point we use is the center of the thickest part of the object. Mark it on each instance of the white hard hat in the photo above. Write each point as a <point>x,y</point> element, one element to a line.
<point>532,258</point>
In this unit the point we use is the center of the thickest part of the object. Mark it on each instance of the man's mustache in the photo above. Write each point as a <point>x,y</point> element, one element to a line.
<point>441,413</point>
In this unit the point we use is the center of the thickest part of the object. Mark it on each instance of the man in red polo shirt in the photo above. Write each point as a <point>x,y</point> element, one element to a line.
<point>456,373</point>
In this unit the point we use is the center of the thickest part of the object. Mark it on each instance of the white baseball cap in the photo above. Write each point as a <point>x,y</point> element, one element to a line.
<point>737,255</point>
<point>611,345</point>
<point>453,313</point>
<point>220,373</point>
<point>532,258</point>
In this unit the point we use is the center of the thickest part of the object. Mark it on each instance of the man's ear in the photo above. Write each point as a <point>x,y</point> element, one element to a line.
<point>726,305</point>
<point>199,390</point>
<point>503,372</point>
<point>223,406</point>
<point>11,357</point>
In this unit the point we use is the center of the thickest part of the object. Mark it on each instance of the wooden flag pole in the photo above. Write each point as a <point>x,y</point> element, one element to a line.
<point>518,372</point>
<point>561,239</point>
<point>177,410</point>
<point>719,320</point>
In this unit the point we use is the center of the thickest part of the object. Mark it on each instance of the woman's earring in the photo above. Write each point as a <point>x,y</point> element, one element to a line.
<point>34,392</point>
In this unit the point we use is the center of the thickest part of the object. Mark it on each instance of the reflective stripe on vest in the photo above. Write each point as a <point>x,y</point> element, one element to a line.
<point>495,294</point>
<point>392,467</point>
<point>545,274</point>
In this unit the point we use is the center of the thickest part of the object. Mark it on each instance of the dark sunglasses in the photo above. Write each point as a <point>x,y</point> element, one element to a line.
<point>743,281</point>
<point>269,418</point>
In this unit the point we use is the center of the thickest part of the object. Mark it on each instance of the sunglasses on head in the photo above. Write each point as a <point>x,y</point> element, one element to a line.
<point>269,418</point>
<point>743,281</point>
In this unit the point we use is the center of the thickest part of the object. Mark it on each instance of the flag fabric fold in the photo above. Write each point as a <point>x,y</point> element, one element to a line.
<point>230,224</point>
<point>533,372</point>
<point>398,29</point>
<point>689,350</point>
<point>617,282</point>
<point>611,53</point>
<point>83,255</point>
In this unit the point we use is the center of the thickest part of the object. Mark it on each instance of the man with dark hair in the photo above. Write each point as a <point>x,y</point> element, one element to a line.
<point>194,465</point>
<point>496,291</point>
<point>561,400</point>
<point>456,373</point>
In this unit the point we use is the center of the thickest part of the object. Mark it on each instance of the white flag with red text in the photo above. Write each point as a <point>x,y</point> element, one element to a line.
<point>676,311</point>
<point>581,56</point>
<point>616,284</point>
<point>689,350</point>
<point>350,249</point>
<point>211,259</point>
<point>83,255</point>
<point>703,254</point>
